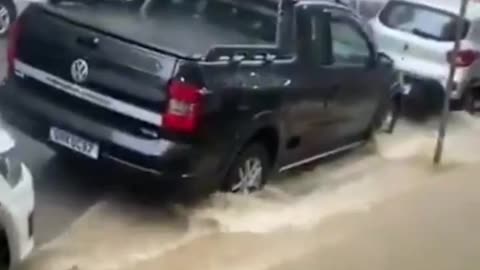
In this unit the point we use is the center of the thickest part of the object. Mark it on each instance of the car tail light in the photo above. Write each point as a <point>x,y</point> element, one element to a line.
<point>12,47</point>
<point>184,107</point>
<point>464,58</point>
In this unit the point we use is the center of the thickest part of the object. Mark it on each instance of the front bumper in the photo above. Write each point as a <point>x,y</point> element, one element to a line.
<point>19,218</point>
<point>28,111</point>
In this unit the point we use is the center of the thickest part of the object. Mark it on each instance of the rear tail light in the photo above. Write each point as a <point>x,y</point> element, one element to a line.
<point>184,107</point>
<point>464,58</point>
<point>12,47</point>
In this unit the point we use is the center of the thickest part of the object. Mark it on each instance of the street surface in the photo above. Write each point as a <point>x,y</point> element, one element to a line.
<point>380,207</point>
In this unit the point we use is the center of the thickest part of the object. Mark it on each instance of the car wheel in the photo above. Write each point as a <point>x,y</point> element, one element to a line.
<point>8,14</point>
<point>4,252</point>
<point>249,171</point>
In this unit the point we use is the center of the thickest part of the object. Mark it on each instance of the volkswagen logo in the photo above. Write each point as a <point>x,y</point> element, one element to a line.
<point>79,71</point>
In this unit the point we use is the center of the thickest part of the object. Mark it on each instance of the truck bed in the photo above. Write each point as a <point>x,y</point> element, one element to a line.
<point>181,33</point>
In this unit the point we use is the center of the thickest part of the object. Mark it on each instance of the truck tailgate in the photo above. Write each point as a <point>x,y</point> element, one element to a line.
<point>90,71</point>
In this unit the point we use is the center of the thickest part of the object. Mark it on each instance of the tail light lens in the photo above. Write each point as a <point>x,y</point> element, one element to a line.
<point>12,47</point>
<point>184,107</point>
<point>464,58</point>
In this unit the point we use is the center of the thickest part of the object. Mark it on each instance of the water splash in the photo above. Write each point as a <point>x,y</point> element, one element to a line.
<point>115,235</point>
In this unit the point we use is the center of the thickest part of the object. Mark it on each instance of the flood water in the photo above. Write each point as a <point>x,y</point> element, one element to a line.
<point>294,216</point>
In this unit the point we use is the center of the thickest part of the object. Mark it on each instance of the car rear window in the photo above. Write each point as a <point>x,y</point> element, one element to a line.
<point>427,22</point>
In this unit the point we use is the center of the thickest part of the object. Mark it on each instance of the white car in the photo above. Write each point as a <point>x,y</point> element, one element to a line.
<point>16,207</point>
<point>419,36</point>
<point>9,11</point>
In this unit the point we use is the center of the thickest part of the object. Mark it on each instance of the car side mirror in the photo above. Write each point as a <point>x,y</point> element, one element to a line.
<point>384,59</point>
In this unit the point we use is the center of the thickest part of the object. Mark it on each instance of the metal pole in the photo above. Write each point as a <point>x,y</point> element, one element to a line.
<point>446,101</point>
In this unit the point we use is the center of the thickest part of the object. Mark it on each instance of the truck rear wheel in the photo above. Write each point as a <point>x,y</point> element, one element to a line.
<point>249,171</point>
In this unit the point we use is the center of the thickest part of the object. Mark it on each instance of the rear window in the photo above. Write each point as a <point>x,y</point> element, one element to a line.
<point>423,21</point>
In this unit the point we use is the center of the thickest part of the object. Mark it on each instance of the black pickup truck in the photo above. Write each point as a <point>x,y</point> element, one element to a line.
<point>219,93</point>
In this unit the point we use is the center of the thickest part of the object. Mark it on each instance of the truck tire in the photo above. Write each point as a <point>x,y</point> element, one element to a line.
<point>8,14</point>
<point>249,171</point>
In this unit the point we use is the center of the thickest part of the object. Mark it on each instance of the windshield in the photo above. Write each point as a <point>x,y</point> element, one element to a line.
<point>420,20</point>
<point>219,21</point>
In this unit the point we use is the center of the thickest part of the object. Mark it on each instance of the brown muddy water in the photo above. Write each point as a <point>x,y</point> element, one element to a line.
<point>294,220</point>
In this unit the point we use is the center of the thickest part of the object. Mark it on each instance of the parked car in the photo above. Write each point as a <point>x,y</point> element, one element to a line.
<point>419,36</point>
<point>207,99</point>
<point>8,13</point>
<point>16,206</point>
<point>9,10</point>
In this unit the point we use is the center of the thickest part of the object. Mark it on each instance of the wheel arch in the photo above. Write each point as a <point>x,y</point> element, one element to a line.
<point>269,137</point>
<point>263,128</point>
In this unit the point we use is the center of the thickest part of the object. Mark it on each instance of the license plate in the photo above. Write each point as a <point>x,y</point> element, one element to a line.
<point>74,142</point>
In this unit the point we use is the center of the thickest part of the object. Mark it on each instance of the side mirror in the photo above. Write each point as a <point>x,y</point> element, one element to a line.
<point>383,59</point>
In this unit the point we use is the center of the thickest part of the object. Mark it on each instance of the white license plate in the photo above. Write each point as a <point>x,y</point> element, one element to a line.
<point>74,142</point>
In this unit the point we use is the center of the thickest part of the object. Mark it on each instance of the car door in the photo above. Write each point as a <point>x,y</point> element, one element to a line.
<point>354,100</point>
<point>309,123</point>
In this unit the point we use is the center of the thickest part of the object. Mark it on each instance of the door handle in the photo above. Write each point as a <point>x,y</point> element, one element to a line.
<point>88,41</point>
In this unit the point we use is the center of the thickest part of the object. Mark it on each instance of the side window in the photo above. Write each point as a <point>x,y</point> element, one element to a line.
<point>349,46</point>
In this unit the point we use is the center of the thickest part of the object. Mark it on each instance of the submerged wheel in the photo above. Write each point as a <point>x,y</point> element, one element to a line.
<point>249,171</point>
<point>8,14</point>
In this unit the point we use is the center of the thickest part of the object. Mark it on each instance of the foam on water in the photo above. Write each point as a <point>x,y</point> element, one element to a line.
<point>418,141</point>
<point>400,161</point>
